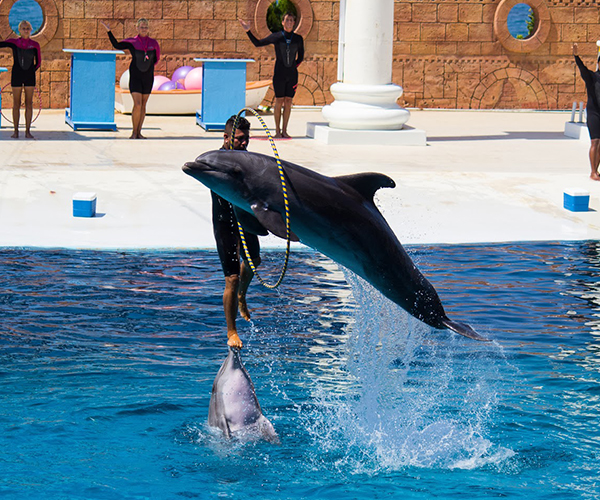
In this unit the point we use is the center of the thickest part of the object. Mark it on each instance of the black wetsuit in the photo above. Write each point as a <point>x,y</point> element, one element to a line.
<point>227,236</point>
<point>27,59</point>
<point>145,53</point>
<point>289,53</point>
<point>592,85</point>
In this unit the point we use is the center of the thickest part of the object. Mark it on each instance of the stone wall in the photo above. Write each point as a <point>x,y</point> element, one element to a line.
<point>447,53</point>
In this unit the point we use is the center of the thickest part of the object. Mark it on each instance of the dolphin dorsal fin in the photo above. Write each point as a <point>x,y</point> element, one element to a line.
<point>367,183</point>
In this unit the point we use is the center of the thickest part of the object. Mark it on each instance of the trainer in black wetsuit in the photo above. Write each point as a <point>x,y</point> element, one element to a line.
<point>592,85</point>
<point>145,53</point>
<point>27,59</point>
<point>289,53</point>
<point>237,275</point>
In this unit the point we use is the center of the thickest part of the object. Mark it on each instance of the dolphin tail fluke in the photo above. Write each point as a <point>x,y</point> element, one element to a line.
<point>463,329</point>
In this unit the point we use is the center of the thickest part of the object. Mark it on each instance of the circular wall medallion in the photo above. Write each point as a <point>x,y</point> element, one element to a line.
<point>305,18</point>
<point>543,22</point>
<point>49,26</point>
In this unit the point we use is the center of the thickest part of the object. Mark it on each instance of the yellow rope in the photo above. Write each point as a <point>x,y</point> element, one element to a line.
<point>285,204</point>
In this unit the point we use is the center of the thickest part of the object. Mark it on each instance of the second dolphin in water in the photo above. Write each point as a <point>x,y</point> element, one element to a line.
<point>234,407</point>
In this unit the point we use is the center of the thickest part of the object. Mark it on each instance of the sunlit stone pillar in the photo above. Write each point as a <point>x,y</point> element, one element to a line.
<point>365,99</point>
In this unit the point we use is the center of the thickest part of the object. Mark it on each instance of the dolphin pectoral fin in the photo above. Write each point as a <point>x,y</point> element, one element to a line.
<point>367,183</point>
<point>463,329</point>
<point>273,221</point>
<point>249,222</point>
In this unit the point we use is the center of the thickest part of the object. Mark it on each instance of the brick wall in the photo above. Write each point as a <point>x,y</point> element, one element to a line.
<point>447,53</point>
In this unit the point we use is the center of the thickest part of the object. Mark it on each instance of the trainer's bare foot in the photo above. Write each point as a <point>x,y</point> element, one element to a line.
<point>133,136</point>
<point>28,135</point>
<point>243,308</point>
<point>15,135</point>
<point>285,135</point>
<point>140,136</point>
<point>233,340</point>
<point>595,176</point>
<point>278,135</point>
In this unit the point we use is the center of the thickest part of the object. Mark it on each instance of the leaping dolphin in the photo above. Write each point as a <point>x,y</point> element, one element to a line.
<point>234,407</point>
<point>334,215</point>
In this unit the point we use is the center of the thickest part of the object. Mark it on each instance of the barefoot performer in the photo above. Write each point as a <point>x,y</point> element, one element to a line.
<point>592,85</point>
<point>237,276</point>
<point>289,53</point>
<point>27,60</point>
<point>145,53</point>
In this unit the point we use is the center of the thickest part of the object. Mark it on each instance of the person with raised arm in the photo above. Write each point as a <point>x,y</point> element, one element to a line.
<point>289,53</point>
<point>145,53</point>
<point>592,85</point>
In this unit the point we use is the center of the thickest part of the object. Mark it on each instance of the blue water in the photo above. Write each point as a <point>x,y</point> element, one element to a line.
<point>516,21</point>
<point>26,10</point>
<point>107,361</point>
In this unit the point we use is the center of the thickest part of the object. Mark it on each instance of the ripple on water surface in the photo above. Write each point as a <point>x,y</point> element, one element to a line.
<point>108,358</point>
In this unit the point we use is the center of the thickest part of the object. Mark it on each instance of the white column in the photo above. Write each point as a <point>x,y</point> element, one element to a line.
<point>365,99</point>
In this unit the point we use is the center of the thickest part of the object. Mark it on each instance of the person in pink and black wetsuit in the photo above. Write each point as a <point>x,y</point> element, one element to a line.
<point>145,53</point>
<point>27,60</point>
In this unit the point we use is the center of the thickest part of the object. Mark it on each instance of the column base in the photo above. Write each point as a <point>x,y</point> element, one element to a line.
<point>365,107</point>
<point>408,136</point>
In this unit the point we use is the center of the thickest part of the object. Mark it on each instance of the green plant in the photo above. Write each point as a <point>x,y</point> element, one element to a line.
<point>276,11</point>
<point>530,23</point>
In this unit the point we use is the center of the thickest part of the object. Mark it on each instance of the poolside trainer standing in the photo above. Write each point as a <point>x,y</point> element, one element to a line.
<point>145,53</point>
<point>27,60</point>
<point>289,53</point>
<point>592,85</point>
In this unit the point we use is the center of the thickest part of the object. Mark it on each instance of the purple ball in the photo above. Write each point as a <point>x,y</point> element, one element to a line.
<point>180,74</point>
<point>168,86</point>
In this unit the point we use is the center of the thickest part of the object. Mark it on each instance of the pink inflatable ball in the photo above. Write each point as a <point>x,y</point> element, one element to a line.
<point>180,73</point>
<point>124,80</point>
<point>158,81</point>
<point>168,86</point>
<point>193,80</point>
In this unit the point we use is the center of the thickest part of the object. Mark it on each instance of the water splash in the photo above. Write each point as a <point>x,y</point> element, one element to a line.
<point>417,397</point>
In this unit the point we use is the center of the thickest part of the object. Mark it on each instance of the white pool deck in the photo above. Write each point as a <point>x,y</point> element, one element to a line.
<point>484,176</point>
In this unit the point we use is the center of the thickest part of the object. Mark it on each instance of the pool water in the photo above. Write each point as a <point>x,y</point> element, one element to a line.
<point>107,361</point>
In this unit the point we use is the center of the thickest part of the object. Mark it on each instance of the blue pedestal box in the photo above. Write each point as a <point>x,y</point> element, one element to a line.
<point>84,204</point>
<point>92,90</point>
<point>223,91</point>
<point>576,200</point>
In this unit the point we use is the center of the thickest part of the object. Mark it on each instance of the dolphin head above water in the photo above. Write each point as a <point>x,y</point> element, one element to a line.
<point>225,173</point>
<point>234,407</point>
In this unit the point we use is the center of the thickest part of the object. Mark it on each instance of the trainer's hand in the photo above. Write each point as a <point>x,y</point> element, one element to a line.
<point>105,25</point>
<point>233,340</point>
<point>245,24</point>
<point>575,49</point>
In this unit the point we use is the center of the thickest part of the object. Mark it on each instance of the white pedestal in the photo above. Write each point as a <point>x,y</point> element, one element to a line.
<point>576,130</point>
<point>407,136</point>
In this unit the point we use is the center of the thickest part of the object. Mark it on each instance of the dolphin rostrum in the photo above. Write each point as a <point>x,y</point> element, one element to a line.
<point>234,407</point>
<point>334,215</point>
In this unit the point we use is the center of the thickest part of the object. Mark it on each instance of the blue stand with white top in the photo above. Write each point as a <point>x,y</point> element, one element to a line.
<point>576,200</point>
<point>223,91</point>
<point>84,204</point>
<point>92,96</point>
<point>2,70</point>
